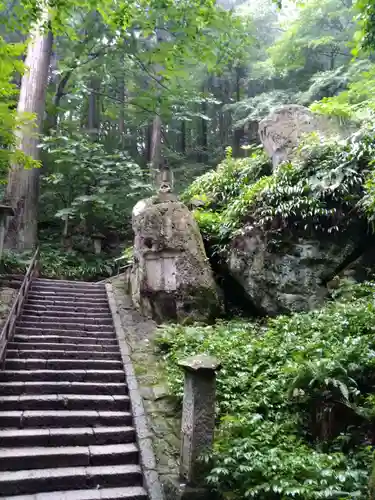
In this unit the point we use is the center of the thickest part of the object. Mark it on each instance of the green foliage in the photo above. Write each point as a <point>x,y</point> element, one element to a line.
<point>357,102</point>
<point>288,396</point>
<point>15,263</point>
<point>59,264</point>
<point>10,65</point>
<point>317,39</point>
<point>87,185</point>
<point>75,265</point>
<point>322,189</point>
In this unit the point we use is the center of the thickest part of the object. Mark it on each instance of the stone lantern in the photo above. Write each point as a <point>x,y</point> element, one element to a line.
<point>98,238</point>
<point>5,212</point>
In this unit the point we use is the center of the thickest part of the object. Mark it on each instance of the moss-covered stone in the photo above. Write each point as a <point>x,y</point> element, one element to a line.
<point>171,278</point>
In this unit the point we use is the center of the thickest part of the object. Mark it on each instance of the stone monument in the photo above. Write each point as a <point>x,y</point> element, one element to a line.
<point>171,278</point>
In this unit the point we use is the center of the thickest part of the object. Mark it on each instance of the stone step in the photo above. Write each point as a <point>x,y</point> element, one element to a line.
<point>87,305</point>
<point>12,459</point>
<point>57,312</point>
<point>18,388</point>
<point>127,493</point>
<point>62,347</point>
<point>56,418</point>
<point>41,308</point>
<point>86,319</point>
<point>64,338</point>
<point>67,478</point>
<point>75,436</point>
<point>62,354</point>
<point>64,402</point>
<point>72,300</point>
<point>61,364</point>
<point>62,375</point>
<point>43,326</point>
<point>43,288</point>
<point>41,330</point>
<point>46,287</point>
<point>68,294</point>
<point>67,283</point>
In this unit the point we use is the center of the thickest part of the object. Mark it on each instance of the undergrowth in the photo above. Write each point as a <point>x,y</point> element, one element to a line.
<point>59,264</point>
<point>294,397</point>
<point>328,185</point>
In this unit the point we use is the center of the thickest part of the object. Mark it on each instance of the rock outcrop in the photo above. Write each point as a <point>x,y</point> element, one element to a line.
<point>281,131</point>
<point>281,276</point>
<point>171,278</point>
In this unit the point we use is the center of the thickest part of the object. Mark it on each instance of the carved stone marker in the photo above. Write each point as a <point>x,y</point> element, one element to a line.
<point>198,415</point>
<point>171,277</point>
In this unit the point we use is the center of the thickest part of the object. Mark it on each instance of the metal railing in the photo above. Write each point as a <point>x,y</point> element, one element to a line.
<point>7,332</point>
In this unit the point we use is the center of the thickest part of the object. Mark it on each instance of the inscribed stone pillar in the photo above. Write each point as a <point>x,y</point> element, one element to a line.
<point>198,415</point>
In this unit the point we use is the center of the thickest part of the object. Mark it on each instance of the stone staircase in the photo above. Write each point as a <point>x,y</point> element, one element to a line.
<point>66,428</point>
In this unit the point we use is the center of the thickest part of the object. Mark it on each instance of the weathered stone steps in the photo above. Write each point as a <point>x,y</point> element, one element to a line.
<point>64,478</point>
<point>65,387</point>
<point>41,307</point>
<point>60,418</point>
<point>88,305</point>
<point>53,330</point>
<point>59,346</point>
<point>66,375</point>
<point>67,456</point>
<point>130,493</point>
<point>64,402</point>
<point>52,324</point>
<point>70,314</point>
<point>75,436</point>
<point>71,300</point>
<point>66,427</point>
<point>61,364</point>
<point>65,353</point>
<point>65,338</point>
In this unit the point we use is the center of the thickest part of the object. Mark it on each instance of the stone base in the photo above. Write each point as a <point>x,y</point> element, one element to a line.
<point>174,490</point>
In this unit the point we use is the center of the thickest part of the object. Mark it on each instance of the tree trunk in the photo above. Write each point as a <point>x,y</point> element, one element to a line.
<point>94,108</point>
<point>23,184</point>
<point>155,153</point>
<point>183,137</point>
<point>121,122</point>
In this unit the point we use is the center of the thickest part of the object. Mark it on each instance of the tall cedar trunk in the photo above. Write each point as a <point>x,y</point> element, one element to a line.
<point>23,185</point>
<point>155,152</point>
<point>183,137</point>
<point>148,134</point>
<point>93,121</point>
<point>121,122</point>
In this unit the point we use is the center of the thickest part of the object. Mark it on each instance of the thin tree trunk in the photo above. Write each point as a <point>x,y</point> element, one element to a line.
<point>183,137</point>
<point>155,153</point>
<point>23,184</point>
<point>94,108</point>
<point>121,122</point>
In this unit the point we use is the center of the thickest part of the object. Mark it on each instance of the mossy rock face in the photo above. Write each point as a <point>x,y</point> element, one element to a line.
<point>171,277</point>
<point>291,275</point>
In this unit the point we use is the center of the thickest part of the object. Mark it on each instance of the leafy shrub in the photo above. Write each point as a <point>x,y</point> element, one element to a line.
<point>56,263</point>
<point>295,409</point>
<point>15,263</point>
<point>327,186</point>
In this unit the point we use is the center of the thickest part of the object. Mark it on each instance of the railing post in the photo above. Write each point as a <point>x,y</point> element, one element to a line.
<point>198,416</point>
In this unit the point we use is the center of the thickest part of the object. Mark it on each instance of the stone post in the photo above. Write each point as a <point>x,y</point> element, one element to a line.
<point>198,415</point>
<point>5,212</point>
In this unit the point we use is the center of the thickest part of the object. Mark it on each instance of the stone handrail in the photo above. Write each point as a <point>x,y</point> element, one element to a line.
<point>8,329</point>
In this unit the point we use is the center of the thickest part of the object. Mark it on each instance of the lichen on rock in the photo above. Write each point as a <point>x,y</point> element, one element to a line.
<point>171,278</point>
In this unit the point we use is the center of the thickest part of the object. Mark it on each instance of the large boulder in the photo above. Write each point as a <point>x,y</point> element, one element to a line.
<point>171,278</point>
<point>281,276</point>
<point>281,131</point>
